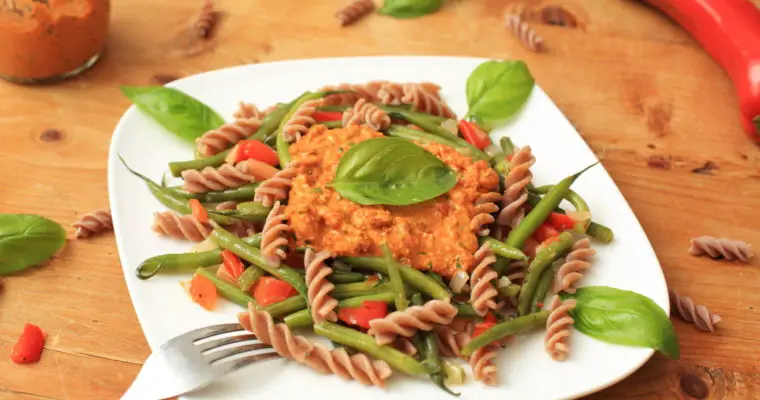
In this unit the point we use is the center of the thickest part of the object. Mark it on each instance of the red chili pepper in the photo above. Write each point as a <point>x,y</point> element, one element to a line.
<point>29,347</point>
<point>474,135</point>
<point>561,222</point>
<point>325,116</point>
<point>253,149</point>
<point>198,211</point>
<point>232,264</point>
<point>545,231</point>
<point>268,290</point>
<point>360,316</point>
<point>729,30</point>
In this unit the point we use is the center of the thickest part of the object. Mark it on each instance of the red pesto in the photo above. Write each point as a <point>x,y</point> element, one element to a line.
<point>41,41</point>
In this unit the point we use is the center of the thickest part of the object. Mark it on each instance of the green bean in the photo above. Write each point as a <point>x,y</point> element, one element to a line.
<point>346,277</point>
<point>541,211</point>
<point>177,263</point>
<point>331,124</point>
<point>540,263</point>
<point>502,249</point>
<point>340,266</point>
<point>506,145</point>
<point>302,318</point>
<point>299,319</point>
<point>403,132</point>
<point>397,284</point>
<point>242,193</point>
<point>405,108</point>
<point>544,283</point>
<point>226,289</point>
<point>252,254</point>
<point>506,328</point>
<point>423,283</point>
<point>281,145</point>
<point>454,373</point>
<point>249,277</point>
<point>247,211</point>
<point>432,359</point>
<point>500,266</point>
<point>347,290</point>
<point>436,277</point>
<point>510,290</point>
<point>575,199</point>
<point>367,344</point>
<point>594,229</point>
<point>287,306</point>
<point>466,310</point>
<point>333,108</point>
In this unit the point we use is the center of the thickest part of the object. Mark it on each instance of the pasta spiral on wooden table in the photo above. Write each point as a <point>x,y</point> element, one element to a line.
<point>274,236</point>
<point>576,262</point>
<point>424,101</point>
<point>93,223</point>
<point>485,205</point>
<point>523,32</point>
<point>301,120</point>
<point>226,176</point>
<point>451,342</point>
<point>366,113</point>
<point>515,193</point>
<point>728,249</point>
<point>249,110</point>
<point>558,328</point>
<point>698,315</point>
<point>354,11</point>
<point>205,21</point>
<point>482,291</point>
<point>322,304</point>
<point>227,135</point>
<point>407,322</point>
<point>186,227</point>
<point>277,187</point>
<point>483,367</point>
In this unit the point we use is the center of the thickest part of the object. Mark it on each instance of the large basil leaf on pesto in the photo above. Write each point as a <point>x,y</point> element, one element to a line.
<point>27,240</point>
<point>496,90</point>
<point>178,112</point>
<point>623,317</point>
<point>391,171</point>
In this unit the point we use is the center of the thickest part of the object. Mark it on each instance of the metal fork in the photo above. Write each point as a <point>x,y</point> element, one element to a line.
<point>189,362</point>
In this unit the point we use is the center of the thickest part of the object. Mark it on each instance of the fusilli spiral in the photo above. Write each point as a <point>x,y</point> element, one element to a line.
<point>248,111</point>
<point>301,120</point>
<point>523,32</point>
<point>93,223</point>
<point>354,11</point>
<point>451,342</point>
<point>277,187</point>
<point>482,291</point>
<point>406,323</point>
<point>367,91</point>
<point>576,262</point>
<point>205,21</point>
<point>698,315</point>
<point>483,367</point>
<point>279,336</point>
<point>366,113</point>
<point>322,304</point>
<point>227,205</point>
<point>485,205</point>
<point>226,176</point>
<point>424,101</point>
<point>558,328</point>
<point>227,135</point>
<point>274,236</point>
<point>515,194</point>
<point>728,249</point>
<point>404,345</point>
<point>185,227</point>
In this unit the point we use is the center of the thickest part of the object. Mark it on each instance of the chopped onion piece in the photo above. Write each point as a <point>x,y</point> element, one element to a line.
<point>206,245</point>
<point>579,216</point>
<point>451,126</point>
<point>504,282</point>
<point>459,281</point>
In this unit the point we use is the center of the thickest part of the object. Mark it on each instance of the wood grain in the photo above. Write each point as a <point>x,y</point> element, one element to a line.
<point>632,83</point>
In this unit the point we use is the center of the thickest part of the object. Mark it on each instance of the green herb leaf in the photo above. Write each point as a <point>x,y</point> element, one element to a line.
<point>756,121</point>
<point>391,171</point>
<point>623,317</point>
<point>174,110</point>
<point>409,8</point>
<point>496,90</point>
<point>27,240</point>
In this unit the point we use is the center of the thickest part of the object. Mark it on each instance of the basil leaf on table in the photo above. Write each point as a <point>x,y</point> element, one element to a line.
<point>623,317</point>
<point>496,90</point>
<point>27,240</point>
<point>178,112</point>
<point>391,171</point>
<point>409,8</point>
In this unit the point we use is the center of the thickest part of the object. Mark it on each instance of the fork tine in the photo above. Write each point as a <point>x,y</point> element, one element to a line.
<point>213,330</point>
<point>228,366</point>
<point>213,344</point>
<point>222,354</point>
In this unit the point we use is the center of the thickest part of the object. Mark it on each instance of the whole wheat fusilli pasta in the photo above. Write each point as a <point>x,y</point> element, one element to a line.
<point>227,205</point>
<point>354,11</point>
<point>248,111</point>
<point>576,262</point>
<point>698,315</point>
<point>226,176</point>
<point>354,92</point>
<point>405,323</point>
<point>301,120</point>
<point>366,113</point>
<point>227,135</point>
<point>482,217</point>
<point>728,249</point>
<point>337,361</point>
<point>186,227</point>
<point>558,328</point>
<point>204,23</point>
<point>404,345</point>
<point>451,342</point>
<point>274,238</point>
<point>424,101</point>
<point>482,291</point>
<point>322,304</point>
<point>93,223</point>
<point>523,32</point>
<point>277,187</point>
<point>515,194</point>
<point>483,367</point>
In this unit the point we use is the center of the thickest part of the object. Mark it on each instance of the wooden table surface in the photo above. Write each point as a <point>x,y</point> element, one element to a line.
<point>630,80</point>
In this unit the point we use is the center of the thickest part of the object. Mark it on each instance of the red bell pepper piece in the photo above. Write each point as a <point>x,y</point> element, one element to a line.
<point>729,30</point>
<point>253,149</point>
<point>474,135</point>
<point>360,316</point>
<point>561,222</point>
<point>232,264</point>
<point>268,290</point>
<point>325,116</point>
<point>198,211</point>
<point>29,347</point>
<point>203,292</point>
<point>545,231</point>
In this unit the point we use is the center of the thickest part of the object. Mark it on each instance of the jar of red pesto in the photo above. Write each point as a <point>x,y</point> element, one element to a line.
<point>43,41</point>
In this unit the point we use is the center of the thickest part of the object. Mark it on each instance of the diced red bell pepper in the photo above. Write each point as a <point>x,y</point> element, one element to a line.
<point>232,264</point>
<point>545,231</point>
<point>203,292</point>
<point>481,327</point>
<point>325,116</point>
<point>474,135</point>
<point>360,316</point>
<point>198,211</point>
<point>268,290</point>
<point>529,248</point>
<point>561,222</point>
<point>253,149</point>
<point>29,347</point>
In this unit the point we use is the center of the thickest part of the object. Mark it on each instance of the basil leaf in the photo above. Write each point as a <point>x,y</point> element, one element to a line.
<point>496,90</point>
<point>409,8</point>
<point>27,240</point>
<point>623,317</point>
<point>391,171</point>
<point>174,110</point>
<point>756,122</point>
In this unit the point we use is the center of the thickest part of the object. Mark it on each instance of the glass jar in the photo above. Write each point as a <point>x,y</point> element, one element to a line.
<point>43,41</point>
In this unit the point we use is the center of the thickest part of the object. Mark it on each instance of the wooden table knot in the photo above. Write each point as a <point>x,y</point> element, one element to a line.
<point>51,135</point>
<point>693,386</point>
